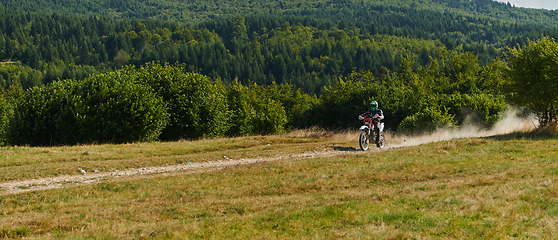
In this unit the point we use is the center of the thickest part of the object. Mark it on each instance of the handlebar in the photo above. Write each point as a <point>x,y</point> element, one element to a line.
<point>374,117</point>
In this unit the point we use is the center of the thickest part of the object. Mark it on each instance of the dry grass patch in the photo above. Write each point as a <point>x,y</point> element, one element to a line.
<point>20,163</point>
<point>469,188</point>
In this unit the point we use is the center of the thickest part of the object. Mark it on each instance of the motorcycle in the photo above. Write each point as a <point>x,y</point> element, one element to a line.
<point>369,133</point>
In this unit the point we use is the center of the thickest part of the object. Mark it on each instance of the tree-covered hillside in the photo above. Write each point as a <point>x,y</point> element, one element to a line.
<point>309,48</point>
<point>195,11</point>
<point>250,67</point>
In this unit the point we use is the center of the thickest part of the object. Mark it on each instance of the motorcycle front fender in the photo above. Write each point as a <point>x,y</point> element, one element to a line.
<point>363,128</point>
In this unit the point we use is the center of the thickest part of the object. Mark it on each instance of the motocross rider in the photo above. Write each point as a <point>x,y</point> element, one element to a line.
<point>377,115</point>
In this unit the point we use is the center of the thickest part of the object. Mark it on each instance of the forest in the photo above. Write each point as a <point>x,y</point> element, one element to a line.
<point>196,11</point>
<point>309,49</point>
<point>314,63</point>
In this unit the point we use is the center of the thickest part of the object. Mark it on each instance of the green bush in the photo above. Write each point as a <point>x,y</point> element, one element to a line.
<point>428,119</point>
<point>107,108</point>
<point>295,102</point>
<point>197,105</point>
<point>114,108</point>
<point>531,75</point>
<point>482,109</point>
<point>37,118</point>
<point>19,75</point>
<point>268,117</point>
<point>340,104</point>
<point>7,100</point>
<point>124,106</point>
<point>255,111</point>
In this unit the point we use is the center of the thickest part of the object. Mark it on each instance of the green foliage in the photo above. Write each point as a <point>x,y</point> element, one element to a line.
<point>165,102</point>
<point>451,90</point>
<point>195,11</point>
<point>152,102</point>
<point>255,111</point>
<point>100,109</point>
<point>7,100</point>
<point>117,109</point>
<point>15,74</point>
<point>531,79</point>
<point>295,102</point>
<point>482,109</point>
<point>277,58</point>
<point>6,111</point>
<point>197,105</point>
<point>427,119</point>
<point>307,48</point>
<point>340,104</point>
<point>37,115</point>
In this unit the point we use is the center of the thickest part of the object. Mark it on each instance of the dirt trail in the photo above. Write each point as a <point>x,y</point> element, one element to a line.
<point>508,124</point>
<point>16,187</point>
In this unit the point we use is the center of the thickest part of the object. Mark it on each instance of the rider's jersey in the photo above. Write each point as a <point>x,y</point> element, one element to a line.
<point>371,113</point>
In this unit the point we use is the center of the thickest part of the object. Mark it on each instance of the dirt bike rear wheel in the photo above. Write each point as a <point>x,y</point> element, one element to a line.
<point>364,141</point>
<point>382,142</point>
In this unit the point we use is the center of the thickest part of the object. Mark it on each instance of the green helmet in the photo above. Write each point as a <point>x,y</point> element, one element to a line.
<point>374,105</point>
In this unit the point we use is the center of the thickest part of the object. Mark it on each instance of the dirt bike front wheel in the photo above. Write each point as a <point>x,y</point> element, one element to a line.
<point>382,141</point>
<point>364,141</point>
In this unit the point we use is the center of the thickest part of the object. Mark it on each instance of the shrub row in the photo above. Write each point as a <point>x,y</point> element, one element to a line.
<point>105,108</point>
<point>152,102</point>
<point>164,102</point>
<point>451,90</point>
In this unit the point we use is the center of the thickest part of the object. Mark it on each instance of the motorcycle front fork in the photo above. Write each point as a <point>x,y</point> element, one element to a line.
<point>372,134</point>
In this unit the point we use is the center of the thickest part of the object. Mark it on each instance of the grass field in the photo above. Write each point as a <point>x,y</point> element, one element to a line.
<point>485,188</point>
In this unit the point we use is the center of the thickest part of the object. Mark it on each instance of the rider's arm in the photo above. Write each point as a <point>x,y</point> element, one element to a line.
<point>367,113</point>
<point>381,115</point>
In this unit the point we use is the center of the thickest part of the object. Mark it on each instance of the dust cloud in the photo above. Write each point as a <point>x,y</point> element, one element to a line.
<point>508,124</point>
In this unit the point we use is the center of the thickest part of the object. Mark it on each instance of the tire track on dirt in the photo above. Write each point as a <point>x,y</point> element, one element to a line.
<point>510,123</point>
<point>16,187</point>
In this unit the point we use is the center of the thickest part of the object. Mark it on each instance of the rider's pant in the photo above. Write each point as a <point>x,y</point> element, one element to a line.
<point>377,131</point>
